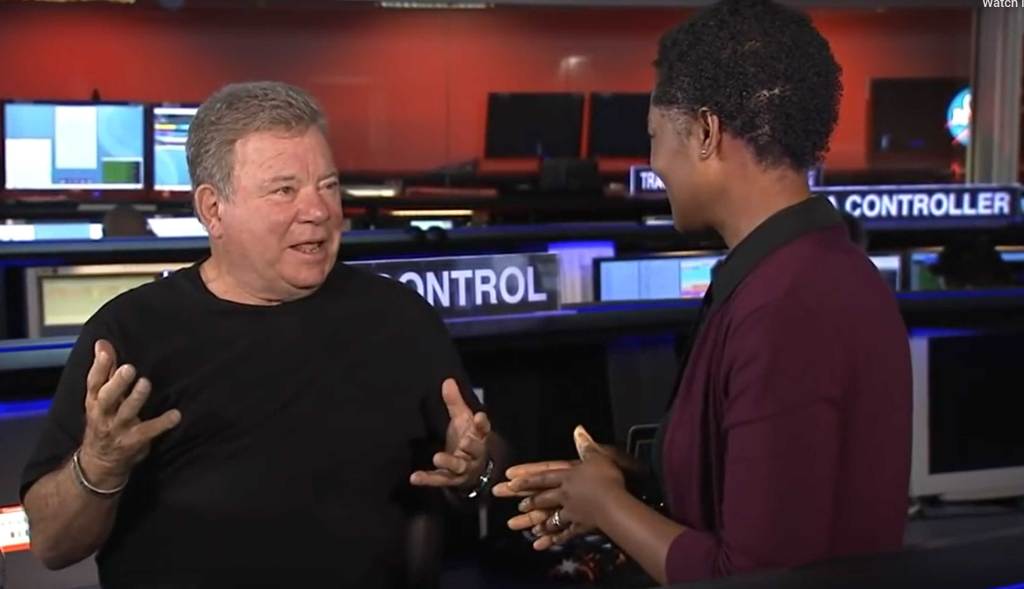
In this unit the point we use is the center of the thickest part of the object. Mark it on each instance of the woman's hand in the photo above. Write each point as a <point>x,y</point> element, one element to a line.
<point>564,499</point>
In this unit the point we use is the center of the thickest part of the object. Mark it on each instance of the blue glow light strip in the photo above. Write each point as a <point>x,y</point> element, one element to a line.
<point>934,295</point>
<point>557,246</point>
<point>35,347</point>
<point>510,316</point>
<point>617,306</point>
<point>937,332</point>
<point>15,409</point>
<point>914,187</point>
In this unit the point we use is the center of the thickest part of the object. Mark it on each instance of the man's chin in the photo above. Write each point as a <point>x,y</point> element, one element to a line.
<point>307,282</point>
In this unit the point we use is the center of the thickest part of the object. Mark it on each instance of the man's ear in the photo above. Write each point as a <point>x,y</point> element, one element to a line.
<point>207,204</point>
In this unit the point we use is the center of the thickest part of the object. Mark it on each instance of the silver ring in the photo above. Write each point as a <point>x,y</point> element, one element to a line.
<point>556,520</point>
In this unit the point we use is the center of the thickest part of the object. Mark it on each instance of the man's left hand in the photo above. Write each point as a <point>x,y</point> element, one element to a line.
<point>465,454</point>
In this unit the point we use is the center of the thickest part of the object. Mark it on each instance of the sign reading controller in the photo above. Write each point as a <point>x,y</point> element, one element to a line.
<point>926,206</point>
<point>913,206</point>
<point>469,286</point>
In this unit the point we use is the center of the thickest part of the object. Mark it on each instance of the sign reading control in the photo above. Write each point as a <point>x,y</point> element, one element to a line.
<point>469,286</point>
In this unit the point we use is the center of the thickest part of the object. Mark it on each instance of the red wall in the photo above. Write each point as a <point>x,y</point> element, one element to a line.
<point>406,90</point>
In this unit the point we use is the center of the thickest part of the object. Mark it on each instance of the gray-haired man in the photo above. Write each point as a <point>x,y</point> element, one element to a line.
<point>254,419</point>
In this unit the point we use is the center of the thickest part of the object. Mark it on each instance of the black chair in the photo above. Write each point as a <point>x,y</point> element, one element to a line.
<point>570,176</point>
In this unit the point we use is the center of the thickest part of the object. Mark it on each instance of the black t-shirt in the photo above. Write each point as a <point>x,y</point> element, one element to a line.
<point>301,424</point>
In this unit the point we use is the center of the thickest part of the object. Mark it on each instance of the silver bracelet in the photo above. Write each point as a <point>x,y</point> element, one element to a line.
<point>76,467</point>
<point>485,478</point>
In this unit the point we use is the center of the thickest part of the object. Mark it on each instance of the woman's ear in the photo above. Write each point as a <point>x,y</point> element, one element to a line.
<point>709,129</point>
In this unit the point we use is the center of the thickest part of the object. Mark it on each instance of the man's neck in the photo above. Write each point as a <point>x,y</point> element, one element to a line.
<point>224,286</point>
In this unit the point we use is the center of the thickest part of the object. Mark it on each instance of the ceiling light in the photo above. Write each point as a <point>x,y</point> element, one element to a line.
<point>427,5</point>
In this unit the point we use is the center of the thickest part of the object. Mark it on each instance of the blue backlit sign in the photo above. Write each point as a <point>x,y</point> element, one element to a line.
<point>467,286</point>
<point>958,117</point>
<point>900,207</point>
<point>927,206</point>
<point>643,180</point>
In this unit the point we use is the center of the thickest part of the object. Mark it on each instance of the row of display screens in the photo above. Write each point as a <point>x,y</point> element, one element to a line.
<point>532,125</point>
<point>103,146</point>
<point>672,277</point>
<point>85,231</point>
<point>62,297</point>
<point>669,277</point>
<point>159,226</point>
<point>51,146</point>
<point>909,119</point>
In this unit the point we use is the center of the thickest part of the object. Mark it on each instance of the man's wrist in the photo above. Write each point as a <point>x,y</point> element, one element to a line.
<point>476,486</point>
<point>96,473</point>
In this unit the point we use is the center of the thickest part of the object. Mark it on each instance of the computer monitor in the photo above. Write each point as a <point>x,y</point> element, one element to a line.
<point>653,277</point>
<point>923,278</point>
<point>967,438</point>
<point>576,268</point>
<point>170,131</point>
<point>889,266</point>
<point>921,275</point>
<point>428,224</point>
<point>51,231</point>
<point>618,126</point>
<point>910,120</point>
<point>1014,258</point>
<point>695,275</point>
<point>176,227</point>
<point>60,299</point>
<point>534,125</point>
<point>51,146</point>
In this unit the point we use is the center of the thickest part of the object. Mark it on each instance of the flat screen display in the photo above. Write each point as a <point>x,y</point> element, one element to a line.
<point>65,146</point>
<point>170,131</point>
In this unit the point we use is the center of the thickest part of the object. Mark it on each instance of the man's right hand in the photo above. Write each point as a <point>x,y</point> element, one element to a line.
<point>115,438</point>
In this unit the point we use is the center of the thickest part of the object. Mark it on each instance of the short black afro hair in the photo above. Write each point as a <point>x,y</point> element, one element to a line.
<point>765,71</point>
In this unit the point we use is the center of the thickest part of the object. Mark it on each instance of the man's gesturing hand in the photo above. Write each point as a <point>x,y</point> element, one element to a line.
<point>115,438</point>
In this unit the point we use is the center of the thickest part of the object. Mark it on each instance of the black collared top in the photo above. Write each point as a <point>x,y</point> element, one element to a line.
<point>810,214</point>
